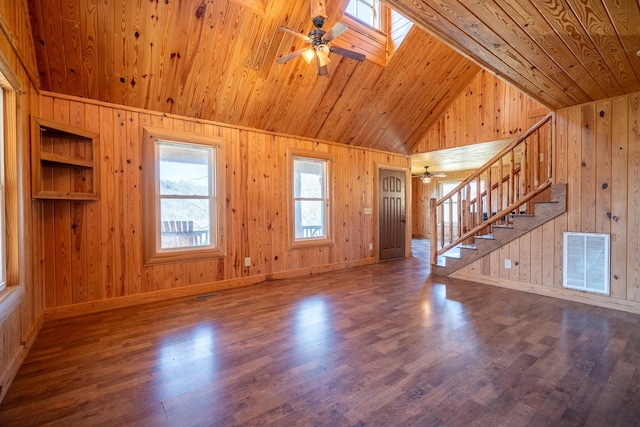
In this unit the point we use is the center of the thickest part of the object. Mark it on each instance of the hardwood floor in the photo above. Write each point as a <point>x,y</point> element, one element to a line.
<point>378,345</point>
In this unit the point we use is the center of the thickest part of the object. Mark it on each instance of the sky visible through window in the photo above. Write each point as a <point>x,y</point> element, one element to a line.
<point>185,178</point>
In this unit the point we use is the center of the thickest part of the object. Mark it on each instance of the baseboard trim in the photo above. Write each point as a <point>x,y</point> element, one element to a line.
<point>565,294</point>
<point>187,291</point>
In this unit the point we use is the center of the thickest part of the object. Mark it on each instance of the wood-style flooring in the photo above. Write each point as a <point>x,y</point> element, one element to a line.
<point>382,345</point>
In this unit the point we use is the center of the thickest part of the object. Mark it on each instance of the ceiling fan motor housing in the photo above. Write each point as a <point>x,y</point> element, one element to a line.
<point>316,36</point>
<point>318,21</point>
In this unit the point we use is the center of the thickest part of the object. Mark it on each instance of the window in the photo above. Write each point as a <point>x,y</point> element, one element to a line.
<point>11,228</point>
<point>366,11</point>
<point>182,195</point>
<point>311,199</point>
<point>3,257</point>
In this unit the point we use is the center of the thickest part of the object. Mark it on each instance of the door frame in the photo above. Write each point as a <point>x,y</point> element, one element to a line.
<point>407,207</point>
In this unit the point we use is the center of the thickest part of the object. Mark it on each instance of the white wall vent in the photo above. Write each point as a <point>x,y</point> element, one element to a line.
<point>586,262</point>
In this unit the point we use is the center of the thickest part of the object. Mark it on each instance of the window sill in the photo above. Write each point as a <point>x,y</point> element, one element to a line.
<point>10,298</point>
<point>311,243</point>
<point>184,256</point>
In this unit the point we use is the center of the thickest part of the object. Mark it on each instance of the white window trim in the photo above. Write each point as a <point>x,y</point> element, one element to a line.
<point>327,240</point>
<point>150,198</point>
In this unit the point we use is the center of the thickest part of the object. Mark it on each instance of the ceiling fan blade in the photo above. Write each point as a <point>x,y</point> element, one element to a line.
<point>439,175</point>
<point>335,31</point>
<point>294,33</point>
<point>347,53</point>
<point>290,56</point>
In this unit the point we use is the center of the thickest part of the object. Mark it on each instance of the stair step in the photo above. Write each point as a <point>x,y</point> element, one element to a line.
<point>523,215</point>
<point>502,225</point>
<point>484,236</point>
<point>453,255</point>
<point>472,247</point>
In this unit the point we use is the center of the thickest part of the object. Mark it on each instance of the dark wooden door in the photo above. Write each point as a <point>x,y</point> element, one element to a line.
<point>391,214</point>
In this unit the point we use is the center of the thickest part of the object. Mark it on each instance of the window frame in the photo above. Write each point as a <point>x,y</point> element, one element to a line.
<point>328,238</point>
<point>13,233</point>
<point>152,254</point>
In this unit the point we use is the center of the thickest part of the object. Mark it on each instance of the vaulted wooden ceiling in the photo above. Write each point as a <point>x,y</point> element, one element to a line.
<point>560,52</point>
<point>215,60</point>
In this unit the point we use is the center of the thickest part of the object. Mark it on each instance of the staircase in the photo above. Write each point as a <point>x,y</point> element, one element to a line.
<point>501,234</point>
<point>507,197</point>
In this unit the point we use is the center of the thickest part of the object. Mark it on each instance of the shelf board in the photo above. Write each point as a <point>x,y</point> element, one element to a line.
<point>60,195</point>
<point>64,160</point>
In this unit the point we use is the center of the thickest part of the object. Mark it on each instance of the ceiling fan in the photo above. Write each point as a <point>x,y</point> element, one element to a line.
<point>319,40</point>
<point>427,176</point>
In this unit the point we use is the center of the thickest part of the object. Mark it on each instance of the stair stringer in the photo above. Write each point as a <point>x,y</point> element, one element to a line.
<point>543,212</point>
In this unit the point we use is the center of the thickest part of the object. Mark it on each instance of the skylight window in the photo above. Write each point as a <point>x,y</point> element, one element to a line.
<point>366,11</point>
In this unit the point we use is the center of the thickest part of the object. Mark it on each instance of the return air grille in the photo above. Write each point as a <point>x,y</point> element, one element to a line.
<point>586,262</point>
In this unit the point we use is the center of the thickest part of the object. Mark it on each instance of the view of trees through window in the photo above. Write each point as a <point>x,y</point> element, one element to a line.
<point>186,187</point>
<point>309,196</point>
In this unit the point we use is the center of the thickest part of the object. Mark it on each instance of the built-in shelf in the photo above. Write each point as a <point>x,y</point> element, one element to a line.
<point>64,161</point>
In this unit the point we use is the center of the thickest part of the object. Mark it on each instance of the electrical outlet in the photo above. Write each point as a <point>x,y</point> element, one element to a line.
<point>370,246</point>
<point>507,264</point>
<point>247,262</point>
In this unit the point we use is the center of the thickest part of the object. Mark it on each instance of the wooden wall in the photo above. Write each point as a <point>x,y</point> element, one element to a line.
<point>93,250</point>
<point>487,110</point>
<point>597,153</point>
<point>20,323</point>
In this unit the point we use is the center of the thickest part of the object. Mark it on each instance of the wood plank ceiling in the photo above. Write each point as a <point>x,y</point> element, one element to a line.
<point>215,60</point>
<point>560,52</point>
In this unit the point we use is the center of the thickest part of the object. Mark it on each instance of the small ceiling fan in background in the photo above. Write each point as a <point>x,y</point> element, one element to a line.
<point>319,40</point>
<point>427,176</point>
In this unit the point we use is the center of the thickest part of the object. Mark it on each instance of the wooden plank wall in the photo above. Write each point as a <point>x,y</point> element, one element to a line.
<point>93,250</point>
<point>20,326</point>
<point>487,110</point>
<point>597,153</point>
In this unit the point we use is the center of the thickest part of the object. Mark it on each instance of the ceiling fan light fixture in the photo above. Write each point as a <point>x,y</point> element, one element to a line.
<point>426,179</point>
<point>323,54</point>
<point>308,55</point>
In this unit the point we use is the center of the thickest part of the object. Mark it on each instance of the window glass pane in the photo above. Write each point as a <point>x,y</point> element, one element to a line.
<point>185,170</point>
<point>185,223</point>
<point>351,8</point>
<point>308,182</point>
<point>365,14</point>
<point>363,10</point>
<point>309,219</point>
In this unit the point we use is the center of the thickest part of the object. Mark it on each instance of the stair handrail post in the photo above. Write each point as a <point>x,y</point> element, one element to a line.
<point>434,231</point>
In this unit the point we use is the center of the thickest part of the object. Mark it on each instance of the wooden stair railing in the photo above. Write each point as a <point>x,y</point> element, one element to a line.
<point>506,184</point>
